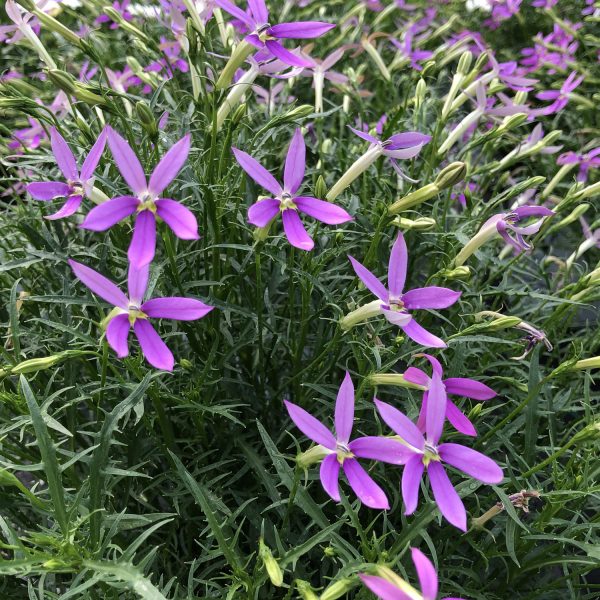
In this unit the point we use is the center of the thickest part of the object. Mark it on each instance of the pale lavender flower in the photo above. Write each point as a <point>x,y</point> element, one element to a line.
<point>560,97</point>
<point>587,161</point>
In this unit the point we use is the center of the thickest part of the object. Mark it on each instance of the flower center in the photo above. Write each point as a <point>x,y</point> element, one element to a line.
<point>430,453</point>
<point>343,452</point>
<point>135,313</point>
<point>262,34</point>
<point>147,202</point>
<point>76,188</point>
<point>286,202</point>
<point>396,304</point>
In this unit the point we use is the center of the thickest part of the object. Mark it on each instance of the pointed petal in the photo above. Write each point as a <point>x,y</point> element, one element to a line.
<point>400,424</point>
<point>259,11</point>
<point>469,388</point>
<point>420,335</point>
<point>371,282</point>
<point>344,410</point>
<point>383,589</point>
<point>262,212</point>
<point>137,282</point>
<point>143,242</point>
<point>64,157</point>
<point>329,474</point>
<point>107,214</point>
<point>117,332</point>
<point>170,164</point>
<point>471,462</point>
<point>411,483</point>
<point>174,307</point>
<point>459,420</point>
<point>448,501</point>
<point>397,267</point>
<point>48,190</point>
<point>426,573</point>
<point>396,317</point>
<point>286,56</point>
<point>436,409</point>
<point>365,136</point>
<point>236,12</point>
<point>323,211</point>
<point>368,492</point>
<point>127,162</point>
<point>293,173</point>
<point>153,348</point>
<point>384,449</point>
<point>312,428</point>
<point>257,172</point>
<point>100,285</point>
<point>67,209</point>
<point>180,219</point>
<point>435,364</point>
<point>294,230</point>
<point>93,158</point>
<point>415,375</point>
<point>430,297</point>
<point>301,29</point>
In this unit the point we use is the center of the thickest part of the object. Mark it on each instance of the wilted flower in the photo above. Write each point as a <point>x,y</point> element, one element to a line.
<point>78,184</point>
<point>133,312</point>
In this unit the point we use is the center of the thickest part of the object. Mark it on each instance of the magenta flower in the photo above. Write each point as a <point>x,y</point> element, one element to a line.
<point>428,454</point>
<point>395,304</point>
<point>508,222</point>
<point>402,590</point>
<point>405,48</point>
<point>560,97</point>
<point>78,184</point>
<point>133,312</point>
<point>460,386</point>
<point>339,451</point>
<point>147,202</point>
<point>263,35</point>
<point>285,200</point>
<point>587,161</point>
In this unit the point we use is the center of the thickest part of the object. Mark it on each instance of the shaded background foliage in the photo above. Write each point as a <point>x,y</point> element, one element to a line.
<point>168,480</point>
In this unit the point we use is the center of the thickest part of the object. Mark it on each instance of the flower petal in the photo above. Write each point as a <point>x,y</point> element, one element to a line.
<point>67,209</point>
<point>293,173</point>
<point>236,12</point>
<point>93,157</point>
<point>416,375</point>
<point>420,335</point>
<point>127,162</point>
<point>170,164</point>
<point>301,29</point>
<point>448,501</point>
<point>469,388</point>
<point>400,424</point>
<point>137,282</point>
<point>471,462</point>
<point>259,11</point>
<point>344,410</point>
<point>177,308</point>
<point>384,449</point>
<point>426,573</point>
<point>436,409</point>
<point>262,212</point>
<point>396,317</point>
<point>64,157</point>
<point>397,267</point>
<point>153,348</point>
<point>323,211</point>
<point>117,332</point>
<point>383,589</point>
<point>411,483</point>
<point>107,214</point>
<point>430,297</point>
<point>294,230</point>
<point>143,242</point>
<point>371,282</point>
<point>459,420</point>
<point>257,172</point>
<point>100,285</point>
<point>48,190</point>
<point>312,428</point>
<point>284,55</point>
<point>329,474</point>
<point>368,492</point>
<point>365,136</point>
<point>180,219</point>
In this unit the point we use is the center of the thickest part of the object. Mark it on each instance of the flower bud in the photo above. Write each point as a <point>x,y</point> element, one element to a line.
<point>393,379</point>
<point>305,590</point>
<point>146,118</point>
<point>299,112</point>
<point>587,363</point>
<point>117,17</point>
<point>84,94</point>
<point>192,37</point>
<point>40,364</point>
<point>28,5</point>
<point>239,114</point>
<point>505,322</point>
<point>461,272</point>
<point>589,433</point>
<point>415,198</point>
<point>54,25</point>
<point>420,92</point>
<point>590,191</point>
<point>62,80</point>
<point>339,588</point>
<point>271,565</point>
<point>451,175</point>
<point>464,63</point>
<point>420,224</point>
<point>320,187</point>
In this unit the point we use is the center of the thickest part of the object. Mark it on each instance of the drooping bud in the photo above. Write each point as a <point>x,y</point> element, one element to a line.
<point>271,565</point>
<point>339,588</point>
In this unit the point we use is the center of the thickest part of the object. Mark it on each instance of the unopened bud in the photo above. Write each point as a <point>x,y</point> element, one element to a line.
<point>511,122</point>
<point>27,4</point>
<point>54,25</point>
<point>305,590</point>
<point>464,63</point>
<point>62,80</point>
<point>339,588</point>
<point>420,92</point>
<point>146,117</point>
<point>83,94</point>
<point>117,17</point>
<point>415,198</point>
<point>239,114</point>
<point>451,175</point>
<point>502,323</point>
<point>320,187</point>
<point>396,379</point>
<point>192,37</point>
<point>461,272</point>
<point>577,212</point>
<point>587,363</point>
<point>271,565</point>
<point>300,112</point>
<point>589,433</point>
<point>420,224</point>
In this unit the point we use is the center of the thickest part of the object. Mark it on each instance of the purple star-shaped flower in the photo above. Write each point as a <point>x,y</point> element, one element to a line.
<point>342,453</point>
<point>560,97</point>
<point>587,161</point>
<point>133,312</point>
<point>78,184</point>
<point>263,35</point>
<point>396,303</point>
<point>147,202</point>
<point>286,201</point>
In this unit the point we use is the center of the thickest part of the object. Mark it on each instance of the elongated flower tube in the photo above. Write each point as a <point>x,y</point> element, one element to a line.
<point>286,201</point>
<point>501,224</point>
<point>459,386</point>
<point>133,312</point>
<point>398,147</point>
<point>429,454</point>
<point>146,203</point>
<point>78,183</point>
<point>386,585</point>
<point>322,70</point>
<point>340,452</point>
<point>396,304</point>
